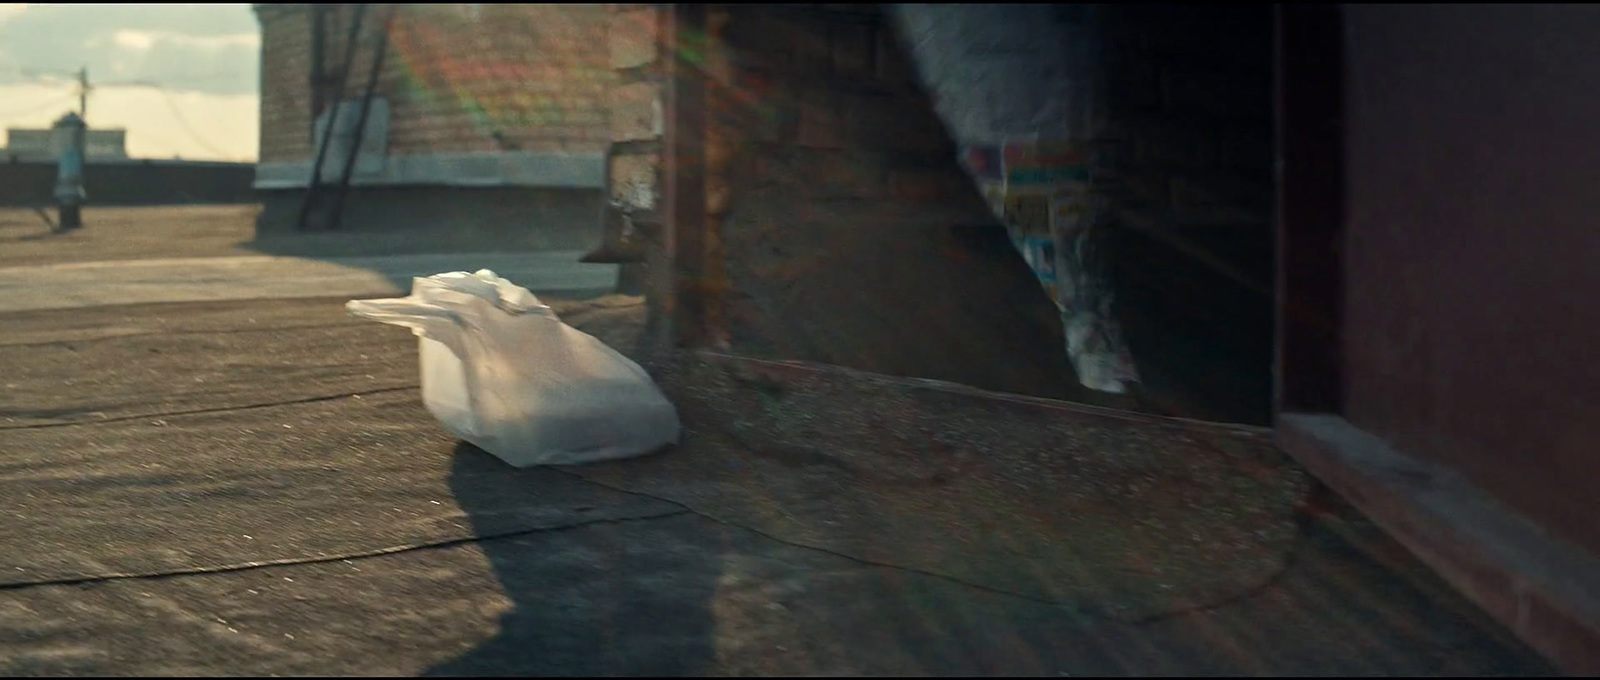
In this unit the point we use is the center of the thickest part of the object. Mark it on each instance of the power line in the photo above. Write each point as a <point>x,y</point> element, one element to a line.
<point>184,123</point>
<point>209,78</point>
<point>38,76</point>
<point>37,109</point>
<point>144,134</point>
<point>134,83</point>
<point>166,95</point>
<point>40,73</point>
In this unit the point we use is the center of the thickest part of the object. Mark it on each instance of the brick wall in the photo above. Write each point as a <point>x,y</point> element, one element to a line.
<point>459,78</point>
<point>285,84</point>
<point>823,103</point>
<point>820,92</point>
<point>838,227</point>
<point>1174,104</point>
<point>834,198</point>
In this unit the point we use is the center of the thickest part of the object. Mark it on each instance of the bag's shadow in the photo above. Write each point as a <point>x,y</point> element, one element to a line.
<point>630,597</point>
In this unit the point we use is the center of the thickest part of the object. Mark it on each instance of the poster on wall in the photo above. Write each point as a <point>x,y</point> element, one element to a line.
<point>1040,253</point>
<point>1027,217</point>
<point>994,194</point>
<point>1028,214</point>
<point>1044,189</point>
<point>1050,202</point>
<point>1070,205</point>
<point>1043,167</point>
<point>983,163</point>
<point>1041,191</point>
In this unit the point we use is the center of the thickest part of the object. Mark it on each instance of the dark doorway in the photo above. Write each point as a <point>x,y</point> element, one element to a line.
<point>1310,152</point>
<point>1191,240</point>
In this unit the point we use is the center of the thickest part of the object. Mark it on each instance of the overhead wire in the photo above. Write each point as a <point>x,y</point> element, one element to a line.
<point>184,123</point>
<point>205,78</point>
<point>177,114</point>
<point>39,74</point>
<point>166,91</point>
<point>36,109</point>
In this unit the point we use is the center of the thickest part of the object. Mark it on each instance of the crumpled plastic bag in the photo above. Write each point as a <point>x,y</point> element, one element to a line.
<point>503,372</point>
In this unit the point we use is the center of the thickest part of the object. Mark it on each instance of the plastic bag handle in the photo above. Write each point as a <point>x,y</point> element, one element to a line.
<point>425,319</point>
<point>440,324</point>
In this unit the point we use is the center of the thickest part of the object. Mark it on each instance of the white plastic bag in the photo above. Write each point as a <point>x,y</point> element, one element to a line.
<point>501,371</point>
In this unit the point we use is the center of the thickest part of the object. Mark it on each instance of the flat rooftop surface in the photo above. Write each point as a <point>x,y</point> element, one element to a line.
<point>252,487</point>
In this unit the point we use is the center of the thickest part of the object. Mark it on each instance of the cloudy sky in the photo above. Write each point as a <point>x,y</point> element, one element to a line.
<point>182,79</point>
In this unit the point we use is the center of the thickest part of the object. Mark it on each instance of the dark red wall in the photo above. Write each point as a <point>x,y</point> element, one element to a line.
<point>1472,325</point>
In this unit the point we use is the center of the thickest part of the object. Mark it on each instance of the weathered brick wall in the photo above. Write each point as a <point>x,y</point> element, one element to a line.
<point>1177,99</point>
<point>285,84</point>
<point>1173,104</point>
<point>459,78</point>
<point>839,227</point>
<point>819,93</point>
<point>635,103</point>
<point>833,188</point>
<point>826,105</point>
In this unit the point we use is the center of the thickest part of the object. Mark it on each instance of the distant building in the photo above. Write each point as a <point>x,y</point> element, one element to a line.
<point>36,144</point>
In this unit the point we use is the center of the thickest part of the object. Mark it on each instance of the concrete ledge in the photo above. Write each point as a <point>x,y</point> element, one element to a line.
<point>453,218</point>
<point>1545,590</point>
<point>516,169</point>
<point>129,282</point>
<point>781,370</point>
<point>93,161</point>
<point>132,182</point>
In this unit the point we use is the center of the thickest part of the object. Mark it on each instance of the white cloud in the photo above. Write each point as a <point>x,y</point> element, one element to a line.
<point>250,40</point>
<point>144,40</point>
<point>134,40</point>
<point>208,57</point>
<point>208,48</point>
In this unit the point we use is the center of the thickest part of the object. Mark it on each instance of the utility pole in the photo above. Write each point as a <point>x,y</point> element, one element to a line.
<point>83,93</point>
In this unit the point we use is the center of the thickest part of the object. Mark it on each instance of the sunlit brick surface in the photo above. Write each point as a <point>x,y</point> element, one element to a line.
<point>459,78</point>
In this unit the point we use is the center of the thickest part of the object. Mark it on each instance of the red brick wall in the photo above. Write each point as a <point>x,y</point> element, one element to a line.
<point>838,222</point>
<point>285,88</point>
<point>824,103</point>
<point>458,79</point>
